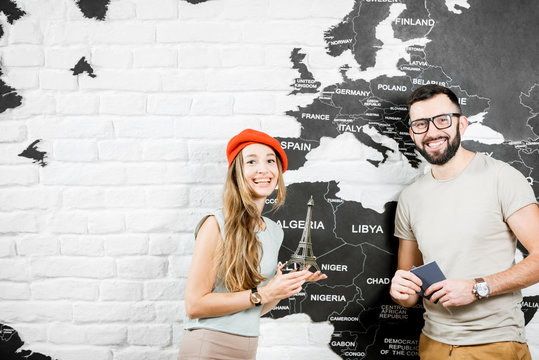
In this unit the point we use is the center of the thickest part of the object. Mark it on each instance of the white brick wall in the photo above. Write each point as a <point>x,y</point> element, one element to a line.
<point>95,247</point>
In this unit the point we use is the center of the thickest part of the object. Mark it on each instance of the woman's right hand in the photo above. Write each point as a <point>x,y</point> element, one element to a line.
<point>282,286</point>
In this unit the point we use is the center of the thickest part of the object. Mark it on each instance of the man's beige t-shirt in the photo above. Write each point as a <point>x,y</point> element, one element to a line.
<point>460,224</point>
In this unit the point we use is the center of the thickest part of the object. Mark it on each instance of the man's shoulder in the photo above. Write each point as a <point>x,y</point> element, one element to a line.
<point>487,160</point>
<point>495,165</point>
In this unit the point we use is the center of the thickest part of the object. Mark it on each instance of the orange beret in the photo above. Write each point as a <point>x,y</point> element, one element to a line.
<point>250,136</point>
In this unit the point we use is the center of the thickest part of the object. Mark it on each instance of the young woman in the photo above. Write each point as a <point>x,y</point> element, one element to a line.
<point>235,255</point>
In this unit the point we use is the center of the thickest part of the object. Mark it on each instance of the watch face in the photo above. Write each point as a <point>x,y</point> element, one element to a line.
<point>256,298</point>
<point>482,289</point>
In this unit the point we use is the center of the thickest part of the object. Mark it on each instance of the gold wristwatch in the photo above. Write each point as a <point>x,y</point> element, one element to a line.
<point>256,298</point>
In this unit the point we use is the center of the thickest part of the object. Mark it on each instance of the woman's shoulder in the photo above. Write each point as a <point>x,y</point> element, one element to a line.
<point>217,219</point>
<point>217,212</point>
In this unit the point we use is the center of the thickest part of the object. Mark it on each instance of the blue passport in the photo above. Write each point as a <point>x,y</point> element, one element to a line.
<point>429,274</point>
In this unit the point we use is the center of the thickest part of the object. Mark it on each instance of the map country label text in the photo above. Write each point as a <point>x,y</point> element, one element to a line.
<point>374,115</point>
<point>343,318</point>
<point>364,229</point>
<point>300,224</point>
<point>401,341</point>
<point>389,87</point>
<point>349,128</point>
<point>340,42</point>
<point>324,297</point>
<point>410,68</point>
<point>334,267</point>
<point>344,343</point>
<point>295,145</point>
<point>426,82</point>
<point>306,83</point>
<point>378,281</point>
<point>415,48</point>
<point>335,200</point>
<point>398,108</point>
<point>414,22</point>
<point>393,312</point>
<point>314,116</point>
<point>352,92</point>
<point>354,353</point>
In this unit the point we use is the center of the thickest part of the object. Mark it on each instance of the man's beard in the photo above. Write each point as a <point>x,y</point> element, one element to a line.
<point>451,150</point>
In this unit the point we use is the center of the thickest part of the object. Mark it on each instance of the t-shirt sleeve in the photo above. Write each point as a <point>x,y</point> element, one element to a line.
<point>280,235</point>
<point>403,227</point>
<point>514,191</point>
<point>276,229</point>
<point>218,216</point>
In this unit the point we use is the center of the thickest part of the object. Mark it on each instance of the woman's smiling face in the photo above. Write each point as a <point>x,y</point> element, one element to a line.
<point>260,169</point>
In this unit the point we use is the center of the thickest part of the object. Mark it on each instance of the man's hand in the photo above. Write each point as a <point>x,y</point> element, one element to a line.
<point>404,287</point>
<point>452,292</point>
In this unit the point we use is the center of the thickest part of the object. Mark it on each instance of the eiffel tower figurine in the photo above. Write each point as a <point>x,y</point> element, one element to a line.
<point>304,254</point>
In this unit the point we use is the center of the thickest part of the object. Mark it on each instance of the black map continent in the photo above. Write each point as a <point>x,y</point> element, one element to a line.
<point>82,66</point>
<point>94,9</point>
<point>9,99</point>
<point>490,52</point>
<point>11,344</point>
<point>32,152</point>
<point>356,248</point>
<point>306,82</point>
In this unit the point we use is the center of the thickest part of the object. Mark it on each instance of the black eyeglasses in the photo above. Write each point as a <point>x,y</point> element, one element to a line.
<point>442,121</point>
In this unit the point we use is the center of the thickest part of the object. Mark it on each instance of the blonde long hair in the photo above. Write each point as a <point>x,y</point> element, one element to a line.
<point>239,254</point>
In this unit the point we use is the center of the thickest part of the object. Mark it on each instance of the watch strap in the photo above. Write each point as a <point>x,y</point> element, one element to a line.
<point>255,291</point>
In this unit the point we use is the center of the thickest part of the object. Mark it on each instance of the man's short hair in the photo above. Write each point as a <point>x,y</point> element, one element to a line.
<point>427,91</point>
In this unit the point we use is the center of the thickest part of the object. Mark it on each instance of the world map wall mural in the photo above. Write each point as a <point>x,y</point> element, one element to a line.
<point>432,42</point>
<point>352,152</point>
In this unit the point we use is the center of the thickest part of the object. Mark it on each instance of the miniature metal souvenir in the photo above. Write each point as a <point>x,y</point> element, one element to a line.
<point>304,254</point>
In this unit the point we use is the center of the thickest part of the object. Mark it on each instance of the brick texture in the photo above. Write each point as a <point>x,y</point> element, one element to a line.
<point>95,247</point>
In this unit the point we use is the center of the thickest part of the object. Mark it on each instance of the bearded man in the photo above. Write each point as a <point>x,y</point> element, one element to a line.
<point>466,214</point>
